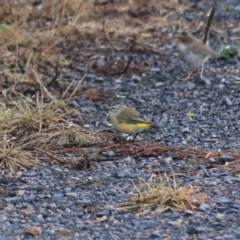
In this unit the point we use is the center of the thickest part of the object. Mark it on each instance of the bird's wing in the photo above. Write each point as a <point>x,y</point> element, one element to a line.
<point>138,119</point>
<point>124,115</point>
<point>204,49</point>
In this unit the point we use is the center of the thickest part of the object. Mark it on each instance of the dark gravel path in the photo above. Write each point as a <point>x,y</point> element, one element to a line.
<point>68,204</point>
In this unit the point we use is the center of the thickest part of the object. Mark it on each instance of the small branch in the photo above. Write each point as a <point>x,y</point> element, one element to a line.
<point>209,23</point>
<point>77,87</point>
<point>53,81</point>
<point>127,66</point>
<point>52,156</point>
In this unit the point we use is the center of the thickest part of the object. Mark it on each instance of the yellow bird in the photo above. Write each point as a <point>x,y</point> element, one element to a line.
<point>128,120</point>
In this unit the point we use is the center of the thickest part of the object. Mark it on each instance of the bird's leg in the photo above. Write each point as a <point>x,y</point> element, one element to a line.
<point>126,137</point>
<point>189,74</point>
<point>135,137</point>
<point>202,69</point>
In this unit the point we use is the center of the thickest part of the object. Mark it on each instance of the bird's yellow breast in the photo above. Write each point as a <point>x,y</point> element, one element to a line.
<point>131,128</point>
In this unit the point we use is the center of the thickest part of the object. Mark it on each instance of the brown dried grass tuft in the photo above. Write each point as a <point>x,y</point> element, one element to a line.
<point>160,195</point>
<point>14,157</point>
<point>27,124</point>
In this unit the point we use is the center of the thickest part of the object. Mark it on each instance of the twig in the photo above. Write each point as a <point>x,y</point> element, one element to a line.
<point>209,23</point>
<point>127,66</point>
<point>52,156</point>
<point>76,88</point>
<point>64,94</point>
<point>53,81</point>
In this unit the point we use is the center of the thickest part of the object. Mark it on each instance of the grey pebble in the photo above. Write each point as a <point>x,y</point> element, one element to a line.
<point>193,230</point>
<point>90,76</point>
<point>159,84</point>
<point>205,207</point>
<point>136,78</point>
<point>100,79</point>
<point>74,104</point>
<point>39,219</point>
<point>155,70</point>
<point>123,172</point>
<point>110,154</point>
<point>226,159</point>
<point>30,174</point>
<point>57,197</point>
<point>81,69</point>
<point>227,101</point>
<point>105,212</point>
<point>223,200</point>
<point>72,195</point>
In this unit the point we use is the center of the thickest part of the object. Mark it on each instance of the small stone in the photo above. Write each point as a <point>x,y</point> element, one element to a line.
<point>90,76</point>
<point>204,207</point>
<point>220,216</point>
<point>67,190</point>
<point>159,84</point>
<point>20,192</point>
<point>27,212</point>
<point>155,70</point>
<point>176,224</point>
<point>14,221</point>
<point>30,174</point>
<point>175,156</point>
<point>3,218</point>
<point>202,167</point>
<point>35,231</point>
<point>39,218</point>
<point>128,160</point>
<point>163,169</point>
<point>102,219</point>
<point>188,213</point>
<point>211,160</point>
<point>74,104</point>
<point>168,159</point>
<point>223,200</point>
<point>100,62</point>
<point>123,173</point>
<point>72,195</point>
<point>136,78</point>
<point>81,69</point>
<point>221,86</point>
<point>226,159</point>
<point>227,101</point>
<point>193,230</point>
<point>100,79</point>
<point>110,154</point>
<point>57,197</point>
<point>207,81</point>
<point>105,212</point>
<point>229,179</point>
<point>156,234</point>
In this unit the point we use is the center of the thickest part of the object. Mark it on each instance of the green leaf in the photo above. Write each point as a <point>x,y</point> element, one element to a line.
<point>229,51</point>
<point>190,114</point>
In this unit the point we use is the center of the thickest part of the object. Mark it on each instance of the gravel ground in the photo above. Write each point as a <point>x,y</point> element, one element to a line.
<point>71,204</point>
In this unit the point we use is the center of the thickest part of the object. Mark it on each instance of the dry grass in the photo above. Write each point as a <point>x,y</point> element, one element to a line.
<point>161,195</point>
<point>13,157</point>
<point>29,124</point>
<point>26,123</point>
